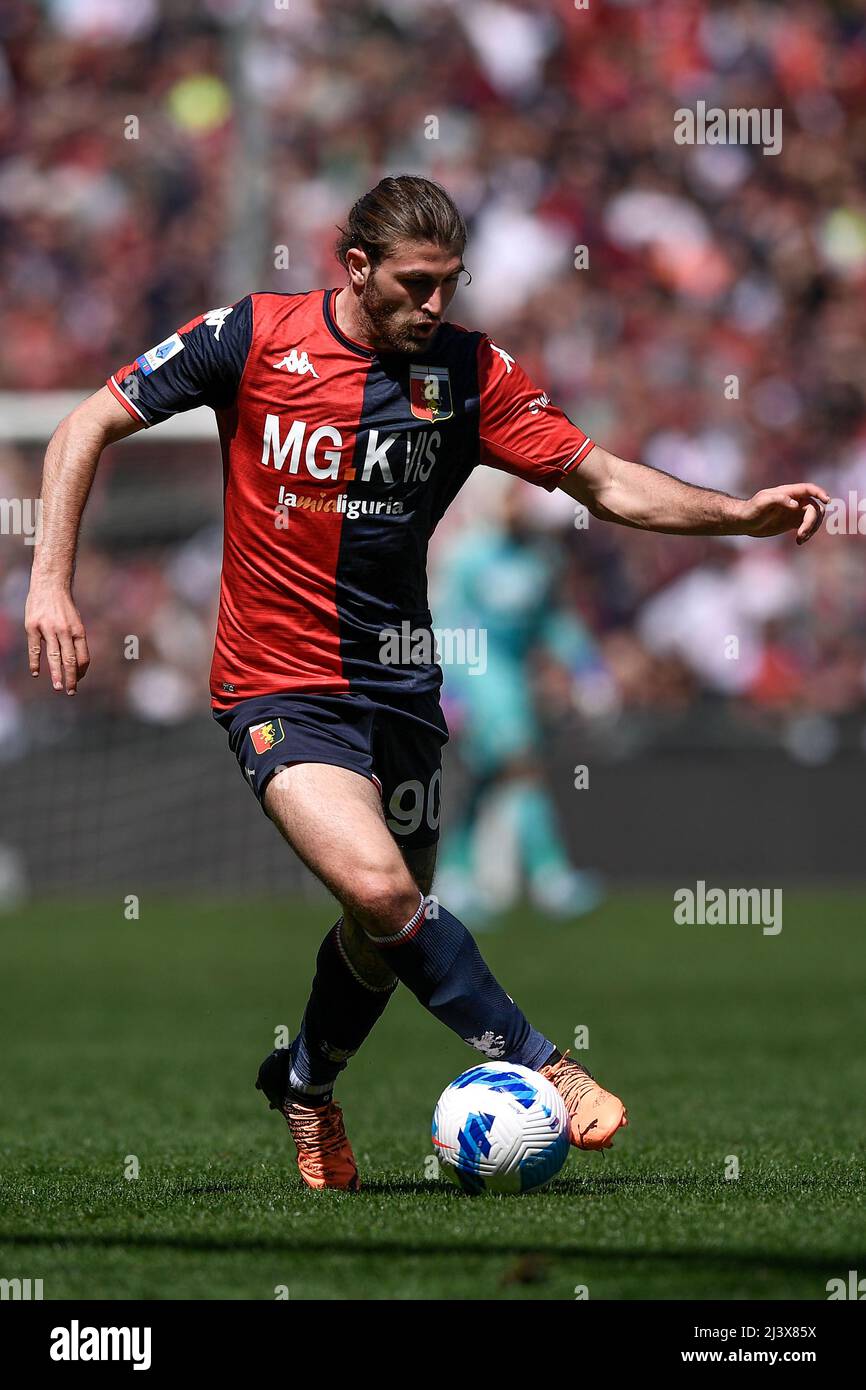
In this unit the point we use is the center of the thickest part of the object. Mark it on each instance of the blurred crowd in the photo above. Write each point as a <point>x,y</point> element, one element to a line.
<point>696,306</point>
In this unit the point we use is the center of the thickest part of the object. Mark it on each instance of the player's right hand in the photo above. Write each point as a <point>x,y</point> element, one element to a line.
<point>51,617</point>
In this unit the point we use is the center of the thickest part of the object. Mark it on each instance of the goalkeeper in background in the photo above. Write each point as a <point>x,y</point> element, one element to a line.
<point>505,582</point>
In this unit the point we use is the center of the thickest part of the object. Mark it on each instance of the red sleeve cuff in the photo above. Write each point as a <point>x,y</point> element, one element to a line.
<point>578,456</point>
<point>126,402</point>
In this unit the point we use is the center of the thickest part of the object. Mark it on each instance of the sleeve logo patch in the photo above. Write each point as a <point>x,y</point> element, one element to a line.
<point>149,361</point>
<point>264,736</point>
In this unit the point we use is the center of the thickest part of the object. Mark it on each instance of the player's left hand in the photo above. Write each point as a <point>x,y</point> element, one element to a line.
<point>791,506</point>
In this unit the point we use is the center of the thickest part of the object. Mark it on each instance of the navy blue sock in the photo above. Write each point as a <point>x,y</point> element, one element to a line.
<point>435,956</point>
<point>341,1011</point>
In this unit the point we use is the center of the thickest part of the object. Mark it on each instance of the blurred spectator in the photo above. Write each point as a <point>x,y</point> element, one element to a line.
<point>716,328</point>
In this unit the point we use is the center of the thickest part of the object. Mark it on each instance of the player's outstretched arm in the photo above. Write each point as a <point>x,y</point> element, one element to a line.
<point>636,495</point>
<point>51,616</point>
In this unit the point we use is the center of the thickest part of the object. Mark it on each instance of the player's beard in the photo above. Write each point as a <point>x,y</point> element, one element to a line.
<point>384,326</point>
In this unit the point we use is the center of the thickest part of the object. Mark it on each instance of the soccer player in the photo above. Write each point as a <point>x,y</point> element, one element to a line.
<point>349,418</point>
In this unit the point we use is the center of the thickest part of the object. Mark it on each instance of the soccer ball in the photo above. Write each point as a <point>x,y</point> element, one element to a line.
<point>501,1128</point>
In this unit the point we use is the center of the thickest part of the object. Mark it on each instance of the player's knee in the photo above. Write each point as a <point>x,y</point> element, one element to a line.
<point>385,899</point>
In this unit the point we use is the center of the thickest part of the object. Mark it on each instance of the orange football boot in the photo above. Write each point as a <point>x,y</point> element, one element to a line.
<point>325,1157</point>
<point>595,1114</point>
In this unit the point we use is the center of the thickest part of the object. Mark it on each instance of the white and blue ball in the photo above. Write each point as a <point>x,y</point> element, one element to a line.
<point>501,1128</point>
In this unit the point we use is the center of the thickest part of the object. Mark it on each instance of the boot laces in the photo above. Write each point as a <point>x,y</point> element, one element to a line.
<point>572,1079</point>
<point>319,1132</point>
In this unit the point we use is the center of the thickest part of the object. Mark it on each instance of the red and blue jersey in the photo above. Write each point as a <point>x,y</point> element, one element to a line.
<point>338,462</point>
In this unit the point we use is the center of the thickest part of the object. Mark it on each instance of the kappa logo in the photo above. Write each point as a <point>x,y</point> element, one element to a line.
<point>506,357</point>
<point>297,362</point>
<point>216,318</point>
<point>264,736</point>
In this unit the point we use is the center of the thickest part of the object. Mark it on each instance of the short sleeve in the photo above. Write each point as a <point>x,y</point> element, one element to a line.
<point>520,429</point>
<point>201,364</point>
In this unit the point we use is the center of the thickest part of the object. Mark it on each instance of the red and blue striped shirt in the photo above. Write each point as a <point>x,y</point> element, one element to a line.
<point>338,462</point>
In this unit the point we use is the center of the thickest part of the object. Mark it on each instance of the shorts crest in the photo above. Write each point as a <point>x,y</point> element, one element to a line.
<point>264,736</point>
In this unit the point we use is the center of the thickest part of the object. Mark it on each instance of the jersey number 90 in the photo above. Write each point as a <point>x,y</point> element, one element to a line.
<point>412,805</point>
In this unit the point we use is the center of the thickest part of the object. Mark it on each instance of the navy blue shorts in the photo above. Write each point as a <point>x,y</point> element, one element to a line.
<point>398,749</point>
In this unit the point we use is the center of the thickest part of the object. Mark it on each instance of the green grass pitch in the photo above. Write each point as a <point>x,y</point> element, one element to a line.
<point>143,1038</point>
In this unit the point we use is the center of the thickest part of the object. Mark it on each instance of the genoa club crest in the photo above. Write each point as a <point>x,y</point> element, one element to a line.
<point>430,393</point>
<point>264,736</point>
